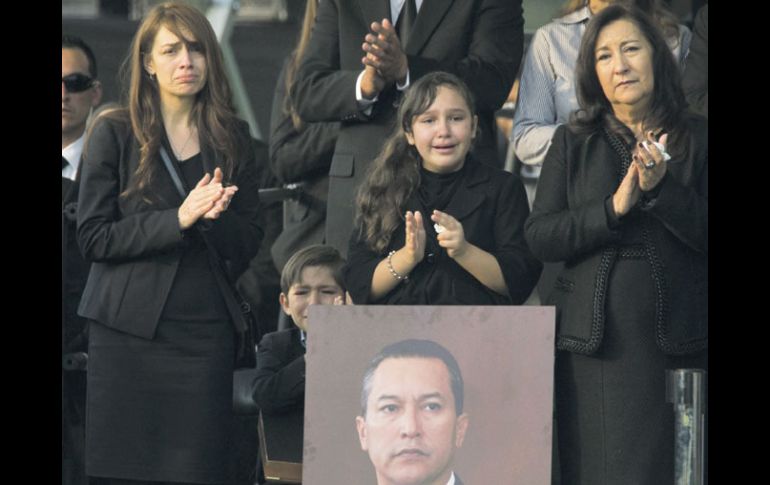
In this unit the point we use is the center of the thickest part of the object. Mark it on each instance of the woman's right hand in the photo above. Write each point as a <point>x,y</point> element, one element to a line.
<point>628,193</point>
<point>200,200</point>
<point>415,238</point>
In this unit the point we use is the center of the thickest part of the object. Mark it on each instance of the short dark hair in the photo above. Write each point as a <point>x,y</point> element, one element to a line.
<point>74,42</point>
<point>667,105</point>
<point>315,255</point>
<point>427,349</point>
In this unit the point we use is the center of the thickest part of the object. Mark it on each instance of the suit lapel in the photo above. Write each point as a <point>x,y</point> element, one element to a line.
<point>428,18</point>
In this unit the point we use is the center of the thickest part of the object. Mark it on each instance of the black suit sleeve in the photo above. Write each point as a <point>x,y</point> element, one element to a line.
<point>324,91</point>
<point>298,155</point>
<point>555,231</point>
<point>519,267</point>
<point>104,234</point>
<point>280,378</point>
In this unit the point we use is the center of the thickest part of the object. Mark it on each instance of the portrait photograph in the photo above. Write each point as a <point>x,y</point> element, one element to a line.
<point>456,395</point>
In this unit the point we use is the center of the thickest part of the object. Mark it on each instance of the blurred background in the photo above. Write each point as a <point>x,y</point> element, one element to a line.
<point>259,35</point>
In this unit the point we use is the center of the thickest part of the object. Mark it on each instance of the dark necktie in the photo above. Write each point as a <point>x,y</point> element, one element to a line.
<point>64,163</point>
<point>406,21</point>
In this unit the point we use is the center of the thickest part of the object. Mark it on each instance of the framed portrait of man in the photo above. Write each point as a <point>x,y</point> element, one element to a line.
<point>429,395</point>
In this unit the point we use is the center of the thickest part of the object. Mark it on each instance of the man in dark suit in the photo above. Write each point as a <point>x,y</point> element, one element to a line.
<point>479,40</point>
<point>412,418</point>
<point>81,92</point>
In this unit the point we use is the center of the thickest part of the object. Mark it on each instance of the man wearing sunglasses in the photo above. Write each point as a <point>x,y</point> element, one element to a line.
<point>80,93</point>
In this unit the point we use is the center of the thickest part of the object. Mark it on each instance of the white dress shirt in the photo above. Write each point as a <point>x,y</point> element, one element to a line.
<point>72,153</point>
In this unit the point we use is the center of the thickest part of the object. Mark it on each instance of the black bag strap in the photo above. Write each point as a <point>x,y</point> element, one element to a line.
<point>219,272</point>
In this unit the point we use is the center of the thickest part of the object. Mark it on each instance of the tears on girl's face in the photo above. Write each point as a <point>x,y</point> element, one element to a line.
<point>444,132</point>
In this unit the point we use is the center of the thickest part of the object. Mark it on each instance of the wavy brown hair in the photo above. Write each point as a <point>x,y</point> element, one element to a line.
<point>295,57</point>
<point>667,108</point>
<point>213,113</point>
<point>395,173</point>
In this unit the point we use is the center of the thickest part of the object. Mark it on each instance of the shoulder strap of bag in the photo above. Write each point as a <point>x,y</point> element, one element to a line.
<point>220,274</point>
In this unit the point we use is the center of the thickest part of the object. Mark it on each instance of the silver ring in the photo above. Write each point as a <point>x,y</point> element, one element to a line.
<point>649,165</point>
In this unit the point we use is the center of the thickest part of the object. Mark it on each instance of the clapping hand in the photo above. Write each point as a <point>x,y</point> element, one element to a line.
<point>650,161</point>
<point>451,235</point>
<point>415,237</point>
<point>384,52</point>
<point>221,204</point>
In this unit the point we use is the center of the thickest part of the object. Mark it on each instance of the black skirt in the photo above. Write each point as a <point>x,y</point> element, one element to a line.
<point>161,409</point>
<point>614,424</point>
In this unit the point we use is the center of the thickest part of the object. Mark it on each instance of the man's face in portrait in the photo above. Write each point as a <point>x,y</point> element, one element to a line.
<point>411,428</point>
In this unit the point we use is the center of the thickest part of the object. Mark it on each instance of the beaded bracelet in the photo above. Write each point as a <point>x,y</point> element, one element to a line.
<point>393,271</point>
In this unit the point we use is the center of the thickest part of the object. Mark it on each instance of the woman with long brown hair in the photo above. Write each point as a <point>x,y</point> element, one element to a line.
<point>161,311</point>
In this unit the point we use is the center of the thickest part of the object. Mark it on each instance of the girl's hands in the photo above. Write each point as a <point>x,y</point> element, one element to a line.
<point>415,238</point>
<point>452,236</point>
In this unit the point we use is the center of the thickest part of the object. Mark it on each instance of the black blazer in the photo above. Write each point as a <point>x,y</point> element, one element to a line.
<point>492,206</point>
<point>279,383</point>
<point>481,41</point>
<point>136,247</point>
<point>300,156</point>
<point>569,223</point>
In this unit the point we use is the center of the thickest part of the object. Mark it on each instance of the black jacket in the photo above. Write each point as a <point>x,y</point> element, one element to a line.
<point>492,206</point>
<point>569,222</point>
<point>279,383</point>
<point>136,247</point>
<point>300,156</point>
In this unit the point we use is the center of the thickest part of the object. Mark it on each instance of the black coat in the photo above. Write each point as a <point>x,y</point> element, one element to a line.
<point>481,41</point>
<point>300,156</point>
<point>569,222</point>
<point>136,247</point>
<point>492,206</point>
<point>279,382</point>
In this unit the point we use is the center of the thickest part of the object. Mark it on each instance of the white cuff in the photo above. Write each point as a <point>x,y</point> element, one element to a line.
<point>406,83</point>
<point>364,105</point>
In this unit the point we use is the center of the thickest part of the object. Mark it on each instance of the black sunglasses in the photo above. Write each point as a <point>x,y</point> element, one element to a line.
<point>76,83</point>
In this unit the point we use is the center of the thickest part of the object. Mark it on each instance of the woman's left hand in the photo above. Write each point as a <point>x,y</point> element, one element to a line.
<point>650,162</point>
<point>452,236</point>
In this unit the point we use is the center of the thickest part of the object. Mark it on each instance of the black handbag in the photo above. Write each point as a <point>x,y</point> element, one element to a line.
<point>247,329</point>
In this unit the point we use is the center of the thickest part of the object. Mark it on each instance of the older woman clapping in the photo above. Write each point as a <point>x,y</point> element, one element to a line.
<point>623,201</point>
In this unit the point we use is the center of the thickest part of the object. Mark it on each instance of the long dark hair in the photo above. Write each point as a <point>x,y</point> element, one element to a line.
<point>214,114</point>
<point>395,173</point>
<point>291,69</point>
<point>667,103</point>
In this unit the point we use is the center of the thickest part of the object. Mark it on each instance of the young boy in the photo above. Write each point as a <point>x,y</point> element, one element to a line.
<point>311,276</point>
